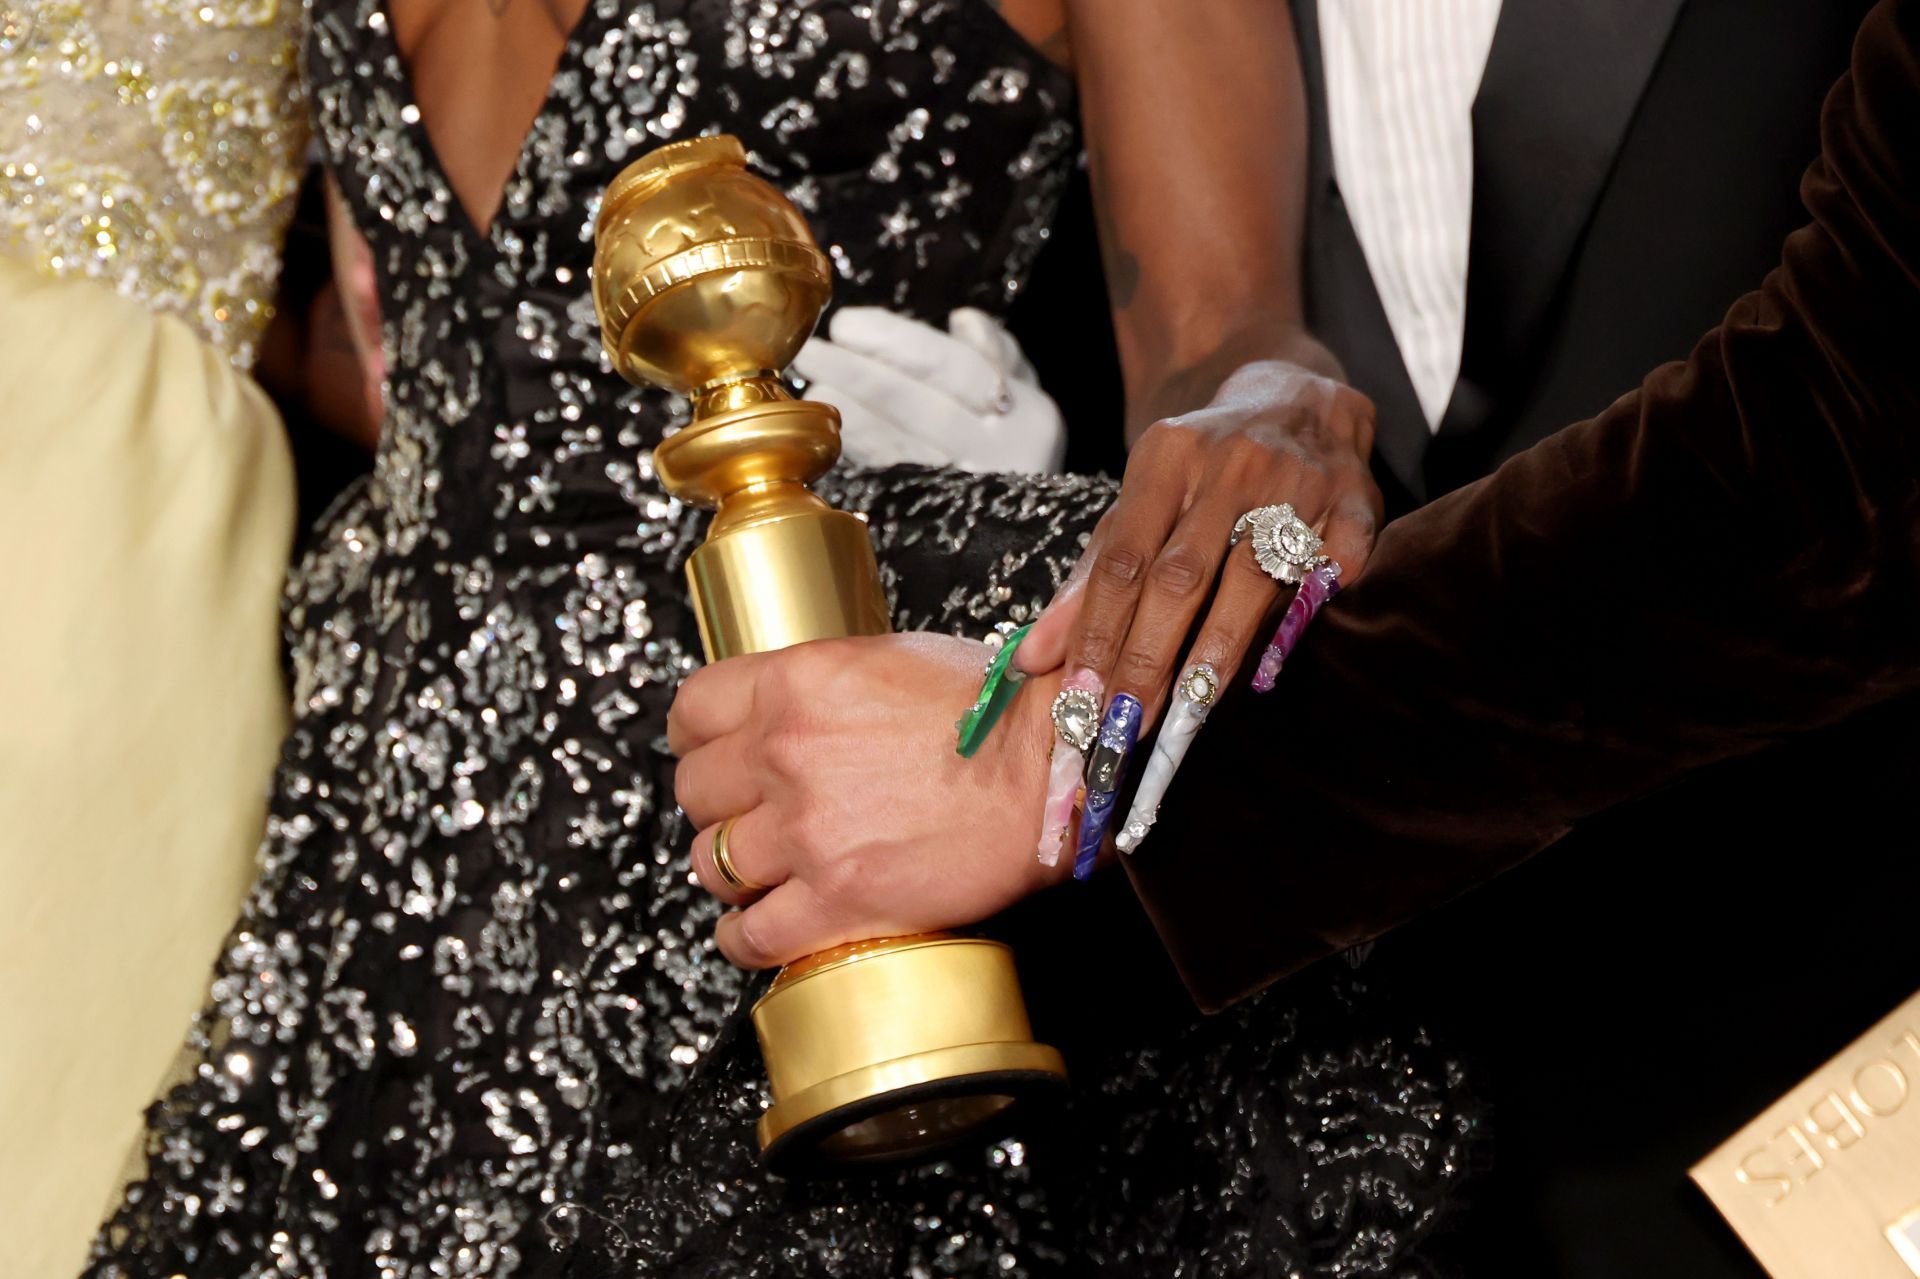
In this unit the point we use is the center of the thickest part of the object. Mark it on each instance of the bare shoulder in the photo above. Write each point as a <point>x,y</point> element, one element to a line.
<point>1042,24</point>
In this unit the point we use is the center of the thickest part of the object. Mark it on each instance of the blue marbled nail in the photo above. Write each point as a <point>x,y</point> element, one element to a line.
<point>1106,765</point>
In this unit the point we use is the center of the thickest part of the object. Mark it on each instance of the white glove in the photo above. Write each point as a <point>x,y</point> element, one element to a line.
<point>909,393</point>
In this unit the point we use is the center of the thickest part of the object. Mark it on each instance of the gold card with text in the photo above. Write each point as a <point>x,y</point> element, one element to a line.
<point>1825,1184</point>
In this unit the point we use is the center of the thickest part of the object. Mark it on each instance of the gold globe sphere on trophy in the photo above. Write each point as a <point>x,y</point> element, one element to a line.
<point>707,282</point>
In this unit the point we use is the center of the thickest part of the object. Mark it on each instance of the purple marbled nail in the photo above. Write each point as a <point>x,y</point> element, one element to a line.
<point>1320,586</point>
<point>1106,764</point>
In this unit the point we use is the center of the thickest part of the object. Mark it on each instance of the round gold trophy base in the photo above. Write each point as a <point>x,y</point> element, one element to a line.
<point>894,1049</point>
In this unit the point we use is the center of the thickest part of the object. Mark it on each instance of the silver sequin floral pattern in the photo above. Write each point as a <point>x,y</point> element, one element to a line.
<point>154,145</point>
<point>471,1022</point>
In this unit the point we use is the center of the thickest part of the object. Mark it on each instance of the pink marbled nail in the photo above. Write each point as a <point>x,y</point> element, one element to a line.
<point>1076,717</point>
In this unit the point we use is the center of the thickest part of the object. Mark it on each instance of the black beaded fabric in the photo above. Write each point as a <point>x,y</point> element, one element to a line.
<point>471,1021</point>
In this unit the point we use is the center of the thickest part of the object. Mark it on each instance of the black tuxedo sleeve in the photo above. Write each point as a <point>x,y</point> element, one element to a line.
<point>1724,558</point>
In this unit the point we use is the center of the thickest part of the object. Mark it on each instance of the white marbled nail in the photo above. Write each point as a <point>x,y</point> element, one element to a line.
<point>1191,702</point>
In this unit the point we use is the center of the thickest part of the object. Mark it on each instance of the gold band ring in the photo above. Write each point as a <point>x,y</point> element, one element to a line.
<point>723,862</point>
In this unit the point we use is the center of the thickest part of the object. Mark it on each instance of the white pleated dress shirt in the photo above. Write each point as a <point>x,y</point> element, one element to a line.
<point>1401,79</point>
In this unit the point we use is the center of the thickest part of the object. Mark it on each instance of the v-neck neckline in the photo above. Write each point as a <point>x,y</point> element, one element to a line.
<point>415,118</point>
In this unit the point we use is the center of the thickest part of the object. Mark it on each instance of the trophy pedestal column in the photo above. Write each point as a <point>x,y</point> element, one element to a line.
<point>803,576</point>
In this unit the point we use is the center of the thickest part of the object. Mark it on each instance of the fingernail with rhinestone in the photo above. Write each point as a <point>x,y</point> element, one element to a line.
<point>1106,765</point>
<point>1076,715</point>
<point>1191,702</point>
<point>1321,585</point>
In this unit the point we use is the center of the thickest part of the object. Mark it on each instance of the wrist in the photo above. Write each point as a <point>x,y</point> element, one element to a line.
<point>1170,391</point>
<point>1300,347</point>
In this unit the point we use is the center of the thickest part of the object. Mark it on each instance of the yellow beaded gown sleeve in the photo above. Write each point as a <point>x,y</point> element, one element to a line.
<point>148,159</point>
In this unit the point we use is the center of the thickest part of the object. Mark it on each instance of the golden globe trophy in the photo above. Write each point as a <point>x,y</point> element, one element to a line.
<point>707,282</point>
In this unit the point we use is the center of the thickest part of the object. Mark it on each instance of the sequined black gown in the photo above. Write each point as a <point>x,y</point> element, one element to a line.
<point>471,1022</point>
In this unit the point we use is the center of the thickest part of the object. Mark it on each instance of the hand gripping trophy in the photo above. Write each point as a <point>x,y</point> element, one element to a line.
<point>707,282</point>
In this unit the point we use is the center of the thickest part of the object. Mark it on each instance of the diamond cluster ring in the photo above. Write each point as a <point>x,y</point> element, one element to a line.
<point>1284,545</point>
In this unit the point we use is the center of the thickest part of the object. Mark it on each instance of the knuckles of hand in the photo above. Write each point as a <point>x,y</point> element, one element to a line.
<point>1258,448</point>
<point>688,797</point>
<point>1279,469</point>
<point>837,880</point>
<point>1119,565</point>
<point>780,680</point>
<point>1138,670</point>
<point>686,699</point>
<point>1358,411</point>
<point>1362,511</point>
<point>1182,571</point>
<point>784,750</point>
<point>748,950</point>
<point>1165,443</point>
<point>1097,642</point>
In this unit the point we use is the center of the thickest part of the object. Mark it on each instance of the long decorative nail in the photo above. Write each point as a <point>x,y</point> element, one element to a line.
<point>1191,702</point>
<point>997,685</point>
<point>1076,716</point>
<point>1321,585</point>
<point>1106,765</point>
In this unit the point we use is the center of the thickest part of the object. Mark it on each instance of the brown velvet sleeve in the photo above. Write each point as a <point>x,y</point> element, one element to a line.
<point>1724,558</point>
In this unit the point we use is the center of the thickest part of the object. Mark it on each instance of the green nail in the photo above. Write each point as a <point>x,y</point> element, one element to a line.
<point>995,692</point>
